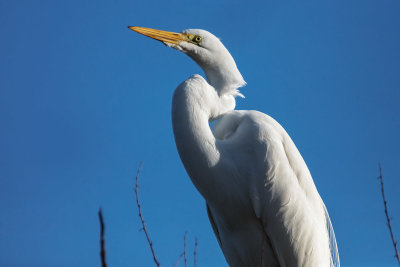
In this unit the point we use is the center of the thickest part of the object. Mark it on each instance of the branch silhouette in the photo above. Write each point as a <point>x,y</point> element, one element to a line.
<point>144,228</point>
<point>387,215</point>
<point>142,219</point>
<point>102,240</point>
<point>195,252</point>
<point>184,249</point>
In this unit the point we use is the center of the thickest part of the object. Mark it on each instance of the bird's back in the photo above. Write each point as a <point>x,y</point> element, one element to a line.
<point>287,212</point>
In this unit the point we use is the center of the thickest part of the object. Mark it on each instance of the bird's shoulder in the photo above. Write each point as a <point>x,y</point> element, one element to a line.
<point>250,125</point>
<point>261,151</point>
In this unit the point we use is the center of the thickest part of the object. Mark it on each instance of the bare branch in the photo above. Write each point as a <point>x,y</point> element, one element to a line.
<point>184,249</point>
<point>142,219</point>
<point>102,240</point>
<point>387,216</point>
<point>195,252</point>
<point>178,260</point>
<point>183,254</point>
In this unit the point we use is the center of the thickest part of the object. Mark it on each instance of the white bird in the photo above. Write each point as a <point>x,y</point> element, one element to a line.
<point>261,199</point>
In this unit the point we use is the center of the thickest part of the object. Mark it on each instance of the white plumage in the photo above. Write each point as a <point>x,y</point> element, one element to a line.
<point>261,199</point>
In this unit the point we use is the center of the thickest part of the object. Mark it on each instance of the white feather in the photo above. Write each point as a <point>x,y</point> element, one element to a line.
<point>261,199</point>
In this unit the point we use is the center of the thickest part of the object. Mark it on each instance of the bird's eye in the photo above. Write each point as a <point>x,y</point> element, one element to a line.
<point>197,39</point>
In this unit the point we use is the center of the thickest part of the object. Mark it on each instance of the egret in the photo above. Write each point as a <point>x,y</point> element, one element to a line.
<point>260,197</point>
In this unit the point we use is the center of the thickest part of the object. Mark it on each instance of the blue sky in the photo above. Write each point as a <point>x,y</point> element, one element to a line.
<point>83,100</point>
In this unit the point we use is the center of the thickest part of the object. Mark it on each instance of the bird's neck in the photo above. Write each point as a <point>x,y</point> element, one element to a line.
<point>221,72</point>
<point>194,104</point>
<point>226,78</point>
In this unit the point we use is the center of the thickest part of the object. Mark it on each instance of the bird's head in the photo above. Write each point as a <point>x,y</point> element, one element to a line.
<point>208,52</point>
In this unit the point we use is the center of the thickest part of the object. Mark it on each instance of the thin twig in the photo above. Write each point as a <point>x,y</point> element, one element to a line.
<point>183,254</point>
<point>195,252</point>
<point>184,249</point>
<point>142,219</point>
<point>178,260</point>
<point>102,240</point>
<point>387,216</point>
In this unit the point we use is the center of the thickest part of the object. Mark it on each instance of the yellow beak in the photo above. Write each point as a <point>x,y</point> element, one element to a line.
<point>163,36</point>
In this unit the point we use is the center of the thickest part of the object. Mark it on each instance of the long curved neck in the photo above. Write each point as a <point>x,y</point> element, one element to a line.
<point>221,72</point>
<point>193,137</point>
<point>194,104</point>
<point>224,76</point>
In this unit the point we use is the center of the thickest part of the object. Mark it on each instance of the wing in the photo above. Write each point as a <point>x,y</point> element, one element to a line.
<point>335,261</point>
<point>281,189</point>
<point>213,225</point>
